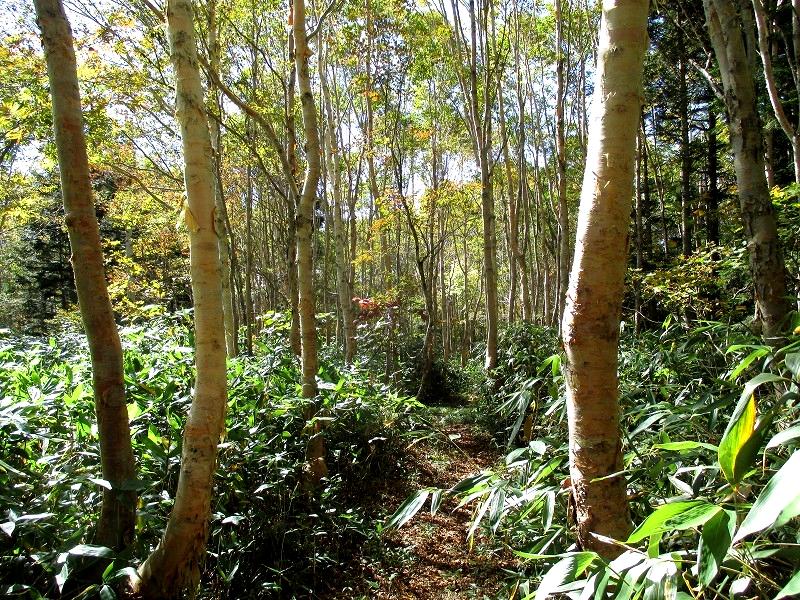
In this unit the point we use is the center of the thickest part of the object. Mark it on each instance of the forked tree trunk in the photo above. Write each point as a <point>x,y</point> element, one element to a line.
<point>116,527</point>
<point>174,566</point>
<point>758,214</point>
<point>594,298</point>
<point>315,455</point>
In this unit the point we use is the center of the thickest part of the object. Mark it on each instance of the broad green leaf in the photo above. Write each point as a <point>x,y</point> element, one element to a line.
<point>675,516</point>
<point>470,483</point>
<point>93,551</point>
<point>749,451</point>
<point>35,516</point>
<point>564,571</point>
<point>793,363</point>
<point>746,362</point>
<point>756,382</point>
<point>739,430</point>
<point>407,509</point>
<point>715,541</point>
<point>106,593</point>
<point>661,581</point>
<point>778,502</point>
<point>790,589</point>
<point>784,436</point>
<point>687,445</point>
<point>436,501</point>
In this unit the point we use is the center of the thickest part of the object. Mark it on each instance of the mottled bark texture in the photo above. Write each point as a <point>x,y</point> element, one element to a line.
<point>315,454</point>
<point>116,526</point>
<point>594,298</point>
<point>173,568</point>
<point>767,268</point>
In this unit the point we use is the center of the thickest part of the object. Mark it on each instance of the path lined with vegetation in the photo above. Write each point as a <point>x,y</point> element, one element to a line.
<point>437,560</point>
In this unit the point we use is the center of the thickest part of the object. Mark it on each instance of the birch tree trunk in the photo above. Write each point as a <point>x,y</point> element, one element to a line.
<point>343,291</point>
<point>758,214</point>
<point>561,170</point>
<point>221,214</point>
<point>116,527</point>
<point>594,299</point>
<point>174,566</point>
<point>315,454</point>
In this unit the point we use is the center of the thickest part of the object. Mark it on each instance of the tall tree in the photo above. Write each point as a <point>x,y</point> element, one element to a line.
<point>767,269</point>
<point>305,231</point>
<point>174,566</point>
<point>333,154</point>
<point>792,131</point>
<point>116,527</point>
<point>474,49</point>
<point>594,299</point>
<point>221,220</point>
<point>561,165</point>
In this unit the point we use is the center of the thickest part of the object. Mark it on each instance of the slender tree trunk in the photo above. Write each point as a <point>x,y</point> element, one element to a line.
<point>174,566</point>
<point>116,526</point>
<point>374,191</point>
<point>686,163</point>
<point>594,299</point>
<point>561,170</point>
<point>758,214</point>
<point>221,214</point>
<point>344,293</point>
<point>792,133</point>
<point>315,454</point>
<point>291,200</point>
<point>712,203</point>
<point>513,214</point>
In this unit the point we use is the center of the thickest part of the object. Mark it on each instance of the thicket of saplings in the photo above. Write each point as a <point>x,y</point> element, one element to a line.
<point>710,423</point>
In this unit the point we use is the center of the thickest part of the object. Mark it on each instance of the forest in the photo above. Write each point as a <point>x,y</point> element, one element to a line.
<point>395,299</point>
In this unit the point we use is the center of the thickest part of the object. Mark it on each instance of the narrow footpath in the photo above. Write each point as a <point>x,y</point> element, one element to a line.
<point>430,556</point>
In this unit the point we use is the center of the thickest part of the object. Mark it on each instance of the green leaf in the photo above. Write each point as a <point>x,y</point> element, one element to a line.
<point>106,593</point>
<point>661,581</point>
<point>778,502</point>
<point>790,589</point>
<point>784,436</point>
<point>35,516</point>
<point>755,383</point>
<point>436,501</point>
<point>675,516</point>
<point>715,541</point>
<point>687,445</point>
<point>746,362</point>
<point>564,571</point>
<point>793,363</point>
<point>749,451</point>
<point>739,430</point>
<point>470,483</point>
<point>94,551</point>
<point>408,509</point>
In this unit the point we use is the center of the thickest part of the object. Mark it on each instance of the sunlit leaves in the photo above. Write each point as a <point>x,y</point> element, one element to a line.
<point>777,503</point>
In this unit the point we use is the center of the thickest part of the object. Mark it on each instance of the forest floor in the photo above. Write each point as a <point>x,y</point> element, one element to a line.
<point>430,556</point>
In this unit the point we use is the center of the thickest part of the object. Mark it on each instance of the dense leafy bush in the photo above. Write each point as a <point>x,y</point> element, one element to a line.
<point>266,536</point>
<point>521,383</point>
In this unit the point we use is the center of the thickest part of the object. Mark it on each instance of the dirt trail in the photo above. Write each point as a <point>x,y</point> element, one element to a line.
<point>430,557</point>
